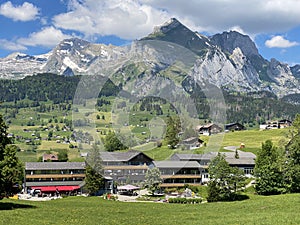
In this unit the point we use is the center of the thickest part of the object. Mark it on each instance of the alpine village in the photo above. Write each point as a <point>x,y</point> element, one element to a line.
<point>173,127</point>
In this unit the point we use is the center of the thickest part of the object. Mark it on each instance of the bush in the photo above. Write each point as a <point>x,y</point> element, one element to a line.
<point>185,200</point>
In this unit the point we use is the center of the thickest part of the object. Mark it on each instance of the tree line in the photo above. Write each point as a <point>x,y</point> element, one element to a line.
<point>47,87</point>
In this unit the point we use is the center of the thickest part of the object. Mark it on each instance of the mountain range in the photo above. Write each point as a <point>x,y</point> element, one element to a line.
<point>229,60</point>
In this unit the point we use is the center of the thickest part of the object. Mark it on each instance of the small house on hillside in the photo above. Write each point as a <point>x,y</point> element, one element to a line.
<point>208,129</point>
<point>275,124</point>
<point>285,123</point>
<point>234,127</point>
<point>50,158</point>
<point>191,143</point>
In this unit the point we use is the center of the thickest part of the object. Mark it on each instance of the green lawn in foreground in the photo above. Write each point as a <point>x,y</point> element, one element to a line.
<point>282,209</point>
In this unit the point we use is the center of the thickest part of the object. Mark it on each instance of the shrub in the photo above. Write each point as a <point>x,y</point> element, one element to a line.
<point>185,200</point>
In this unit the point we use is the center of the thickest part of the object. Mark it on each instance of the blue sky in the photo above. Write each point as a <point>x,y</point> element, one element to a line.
<point>36,26</point>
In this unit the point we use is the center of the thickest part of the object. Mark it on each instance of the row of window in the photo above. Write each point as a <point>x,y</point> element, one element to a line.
<point>54,179</point>
<point>183,181</point>
<point>33,172</point>
<point>124,172</point>
<point>179,172</point>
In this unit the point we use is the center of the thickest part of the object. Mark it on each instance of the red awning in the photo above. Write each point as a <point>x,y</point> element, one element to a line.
<point>54,188</point>
<point>67,188</point>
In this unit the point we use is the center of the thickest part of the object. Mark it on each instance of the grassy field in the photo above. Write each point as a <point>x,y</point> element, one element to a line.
<point>29,124</point>
<point>282,209</point>
<point>254,138</point>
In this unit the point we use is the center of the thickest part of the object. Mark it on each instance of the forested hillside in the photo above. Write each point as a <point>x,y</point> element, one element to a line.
<point>241,107</point>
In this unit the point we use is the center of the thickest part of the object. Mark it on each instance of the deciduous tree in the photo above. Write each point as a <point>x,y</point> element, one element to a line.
<point>153,180</point>
<point>268,171</point>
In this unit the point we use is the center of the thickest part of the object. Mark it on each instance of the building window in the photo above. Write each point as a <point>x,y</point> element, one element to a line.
<point>248,171</point>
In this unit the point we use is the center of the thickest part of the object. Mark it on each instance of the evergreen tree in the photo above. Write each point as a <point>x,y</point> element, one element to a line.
<point>11,172</point>
<point>94,171</point>
<point>11,169</point>
<point>63,155</point>
<point>292,172</point>
<point>173,127</point>
<point>4,140</point>
<point>268,171</point>
<point>225,181</point>
<point>112,143</point>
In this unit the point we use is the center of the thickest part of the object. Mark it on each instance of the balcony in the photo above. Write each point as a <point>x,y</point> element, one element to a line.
<point>34,176</point>
<point>168,185</point>
<point>181,176</point>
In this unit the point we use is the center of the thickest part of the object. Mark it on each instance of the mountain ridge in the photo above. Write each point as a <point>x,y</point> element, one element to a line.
<point>229,60</point>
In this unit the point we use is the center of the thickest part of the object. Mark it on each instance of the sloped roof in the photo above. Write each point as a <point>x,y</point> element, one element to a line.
<point>245,158</point>
<point>196,157</point>
<point>50,157</point>
<point>120,156</point>
<point>54,165</point>
<point>176,164</point>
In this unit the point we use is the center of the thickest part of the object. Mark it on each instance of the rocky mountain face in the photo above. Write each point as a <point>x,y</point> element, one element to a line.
<point>19,65</point>
<point>229,60</point>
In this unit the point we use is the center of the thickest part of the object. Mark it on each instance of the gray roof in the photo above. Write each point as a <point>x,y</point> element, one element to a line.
<point>240,161</point>
<point>194,157</point>
<point>119,156</point>
<point>55,183</point>
<point>241,154</point>
<point>54,165</point>
<point>176,164</point>
<point>245,158</point>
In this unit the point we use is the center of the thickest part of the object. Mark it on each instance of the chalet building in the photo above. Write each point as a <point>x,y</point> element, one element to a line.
<point>202,159</point>
<point>208,129</point>
<point>285,123</point>
<point>234,127</point>
<point>191,143</point>
<point>269,125</point>
<point>50,177</point>
<point>243,160</point>
<point>50,158</point>
<point>275,124</point>
<point>126,167</point>
<point>179,173</point>
<point>130,167</point>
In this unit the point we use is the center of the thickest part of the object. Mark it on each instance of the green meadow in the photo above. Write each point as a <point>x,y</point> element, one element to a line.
<point>281,209</point>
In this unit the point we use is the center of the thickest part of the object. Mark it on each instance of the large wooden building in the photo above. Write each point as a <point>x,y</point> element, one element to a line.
<point>130,168</point>
<point>54,176</point>
<point>126,167</point>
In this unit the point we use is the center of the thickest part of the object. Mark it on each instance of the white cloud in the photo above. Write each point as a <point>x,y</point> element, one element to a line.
<point>131,19</point>
<point>127,19</point>
<point>280,42</point>
<point>25,12</point>
<point>252,17</point>
<point>12,46</point>
<point>48,37</point>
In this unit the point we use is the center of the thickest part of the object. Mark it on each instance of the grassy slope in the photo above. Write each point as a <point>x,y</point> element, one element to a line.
<point>283,209</point>
<point>254,138</point>
<point>251,138</point>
